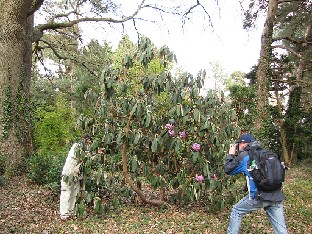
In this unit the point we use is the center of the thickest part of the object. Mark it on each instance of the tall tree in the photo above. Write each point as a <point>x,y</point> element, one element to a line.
<point>263,72</point>
<point>294,36</point>
<point>16,26</point>
<point>17,36</point>
<point>288,26</point>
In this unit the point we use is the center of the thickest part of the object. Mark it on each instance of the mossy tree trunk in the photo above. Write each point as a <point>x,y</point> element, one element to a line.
<point>15,78</point>
<point>263,73</point>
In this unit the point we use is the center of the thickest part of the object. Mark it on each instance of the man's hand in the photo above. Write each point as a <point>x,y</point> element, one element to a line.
<point>232,149</point>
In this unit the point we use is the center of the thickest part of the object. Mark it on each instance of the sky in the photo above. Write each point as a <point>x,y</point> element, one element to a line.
<point>196,44</point>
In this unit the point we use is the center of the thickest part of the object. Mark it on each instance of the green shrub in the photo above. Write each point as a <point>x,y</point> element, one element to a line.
<point>54,128</point>
<point>45,169</point>
<point>54,132</point>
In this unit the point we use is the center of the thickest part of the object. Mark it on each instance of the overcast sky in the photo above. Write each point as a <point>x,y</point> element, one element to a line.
<point>196,44</point>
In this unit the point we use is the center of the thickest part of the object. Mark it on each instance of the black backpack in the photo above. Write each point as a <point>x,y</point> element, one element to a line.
<point>266,169</point>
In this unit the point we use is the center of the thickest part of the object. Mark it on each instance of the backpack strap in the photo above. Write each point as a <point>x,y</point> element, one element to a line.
<point>251,153</point>
<point>252,163</point>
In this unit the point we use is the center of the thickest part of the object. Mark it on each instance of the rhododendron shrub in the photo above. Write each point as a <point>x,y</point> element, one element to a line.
<point>176,145</point>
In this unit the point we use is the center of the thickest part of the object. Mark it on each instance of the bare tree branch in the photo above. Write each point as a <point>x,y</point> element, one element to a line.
<point>307,83</point>
<point>283,1</point>
<point>35,5</point>
<point>210,21</point>
<point>63,15</point>
<point>161,10</point>
<point>39,29</point>
<point>63,57</point>
<point>288,49</point>
<point>43,27</point>
<point>191,8</point>
<point>292,40</point>
<point>189,11</point>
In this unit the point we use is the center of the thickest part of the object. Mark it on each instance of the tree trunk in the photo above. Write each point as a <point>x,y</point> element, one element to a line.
<point>15,78</point>
<point>263,72</point>
<point>128,179</point>
<point>295,99</point>
<point>130,182</point>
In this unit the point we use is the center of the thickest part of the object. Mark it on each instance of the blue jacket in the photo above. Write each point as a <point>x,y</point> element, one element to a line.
<point>238,164</point>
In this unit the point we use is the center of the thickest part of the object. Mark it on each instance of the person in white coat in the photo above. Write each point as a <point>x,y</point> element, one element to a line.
<point>70,178</point>
<point>69,188</point>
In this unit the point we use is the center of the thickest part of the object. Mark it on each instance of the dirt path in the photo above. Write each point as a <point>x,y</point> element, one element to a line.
<point>26,208</point>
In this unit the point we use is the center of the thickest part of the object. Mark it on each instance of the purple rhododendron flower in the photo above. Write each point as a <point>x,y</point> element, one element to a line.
<point>169,126</point>
<point>182,134</point>
<point>199,178</point>
<point>196,147</point>
<point>171,132</point>
<point>214,177</point>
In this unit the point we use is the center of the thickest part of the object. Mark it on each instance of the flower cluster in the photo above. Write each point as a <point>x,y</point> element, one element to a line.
<point>213,176</point>
<point>199,178</point>
<point>169,126</point>
<point>171,132</point>
<point>196,147</point>
<point>170,129</point>
<point>182,134</point>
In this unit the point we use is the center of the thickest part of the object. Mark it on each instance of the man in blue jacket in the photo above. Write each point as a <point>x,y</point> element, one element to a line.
<point>272,202</point>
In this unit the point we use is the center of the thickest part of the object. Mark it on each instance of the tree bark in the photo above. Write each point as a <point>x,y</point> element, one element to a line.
<point>294,103</point>
<point>281,122</point>
<point>15,78</point>
<point>263,72</point>
<point>129,181</point>
<point>299,73</point>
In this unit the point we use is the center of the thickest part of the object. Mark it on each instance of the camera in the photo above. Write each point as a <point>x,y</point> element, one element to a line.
<point>236,148</point>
